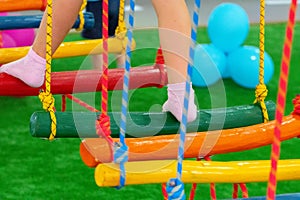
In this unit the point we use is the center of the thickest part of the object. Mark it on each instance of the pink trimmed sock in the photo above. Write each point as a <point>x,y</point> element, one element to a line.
<point>174,104</point>
<point>30,69</point>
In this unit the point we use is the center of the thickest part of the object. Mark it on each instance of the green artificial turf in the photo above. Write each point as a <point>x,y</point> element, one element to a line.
<point>33,168</point>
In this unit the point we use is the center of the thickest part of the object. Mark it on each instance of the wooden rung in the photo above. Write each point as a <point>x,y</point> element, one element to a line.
<point>33,21</point>
<point>201,144</point>
<point>149,172</point>
<point>69,49</point>
<point>21,5</point>
<point>141,124</point>
<point>72,82</point>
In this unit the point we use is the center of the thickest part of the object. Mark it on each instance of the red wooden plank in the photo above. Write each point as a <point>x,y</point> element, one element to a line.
<point>86,81</point>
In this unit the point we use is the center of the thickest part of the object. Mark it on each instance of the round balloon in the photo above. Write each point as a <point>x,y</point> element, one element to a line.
<point>243,65</point>
<point>22,37</point>
<point>7,41</point>
<point>228,26</point>
<point>226,73</point>
<point>209,64</point>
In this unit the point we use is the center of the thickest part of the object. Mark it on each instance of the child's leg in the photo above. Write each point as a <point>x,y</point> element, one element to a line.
<point>65,13</point>
<point>174,31</point>
<point>31,68</point>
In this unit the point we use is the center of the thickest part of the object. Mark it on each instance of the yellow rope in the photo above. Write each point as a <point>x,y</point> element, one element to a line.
<point>81,16</point>
<point>261,91</point>
<point>121,29</point>
<point>46,96</point>
<point>48,105</point>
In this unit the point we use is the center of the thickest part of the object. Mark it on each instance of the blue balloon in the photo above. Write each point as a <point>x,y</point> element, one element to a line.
<point>228,26</point>
<point>226,73</point>
<point>243,65</point>
<point>209,64</point>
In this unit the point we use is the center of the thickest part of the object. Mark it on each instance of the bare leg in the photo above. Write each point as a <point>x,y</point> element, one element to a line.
<point>65,13</point>
<point>31,68</point>
<point>174,32</point>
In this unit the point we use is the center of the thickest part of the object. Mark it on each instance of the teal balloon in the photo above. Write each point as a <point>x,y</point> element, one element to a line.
<point>228,26</point>
<point>209,64</point>
<point>243,65</point>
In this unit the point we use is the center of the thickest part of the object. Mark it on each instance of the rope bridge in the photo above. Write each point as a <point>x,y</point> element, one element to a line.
<point>129,165</point>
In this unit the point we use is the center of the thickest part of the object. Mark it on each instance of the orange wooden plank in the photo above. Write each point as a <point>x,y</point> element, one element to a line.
<point>96,150</point>
<point>21,5</point>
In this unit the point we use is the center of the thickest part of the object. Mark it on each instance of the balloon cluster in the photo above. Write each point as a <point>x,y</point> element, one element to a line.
<point>16,38</point>
<point>226,56</point>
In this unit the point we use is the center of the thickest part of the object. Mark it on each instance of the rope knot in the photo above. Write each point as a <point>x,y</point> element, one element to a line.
<point>296,102</point>
<point>48,105</point>
<point>121,157</point>
<point>121,30</point>
<point>120,153</point>
<point>48,101</point>
<point>261,93</point>
<point>103,126</point>
<point>175,189</point>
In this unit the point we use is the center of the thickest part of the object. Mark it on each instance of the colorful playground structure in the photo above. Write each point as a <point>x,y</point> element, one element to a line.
<point>155,154</point>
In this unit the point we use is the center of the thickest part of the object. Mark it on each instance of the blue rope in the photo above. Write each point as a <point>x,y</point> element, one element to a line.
<point>183,124</point>
<point>121,149</point>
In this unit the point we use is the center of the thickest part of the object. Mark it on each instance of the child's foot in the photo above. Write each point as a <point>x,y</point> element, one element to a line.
<point>174,104</point>
<point>30,69</point>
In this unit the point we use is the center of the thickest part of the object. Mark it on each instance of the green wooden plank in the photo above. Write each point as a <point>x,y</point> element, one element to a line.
<point>139,124</point>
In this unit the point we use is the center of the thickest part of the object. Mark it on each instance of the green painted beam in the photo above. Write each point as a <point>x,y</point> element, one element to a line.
<point>82,124</point>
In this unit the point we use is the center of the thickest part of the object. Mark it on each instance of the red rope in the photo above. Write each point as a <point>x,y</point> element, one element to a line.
<point>296,102</point>
<point>281,98</point>
<point>236,190</point>
<point>159,60</point>
<point>159,57</point>
<point>164,191</point>
<point>104,78</point>
<point>81,103</point>
<point>212,185</point>
<point>194,187</point>
<point>244,190</point>
<point>160,64</point>
<point>102,124</point>
<point>63,103</point>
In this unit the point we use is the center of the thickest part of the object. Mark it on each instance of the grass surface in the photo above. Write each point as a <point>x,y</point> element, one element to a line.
<point>33,168</point>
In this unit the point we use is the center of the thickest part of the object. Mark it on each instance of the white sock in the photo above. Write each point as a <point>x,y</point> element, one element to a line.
<point>174,104</point>
<point>30,69</point>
